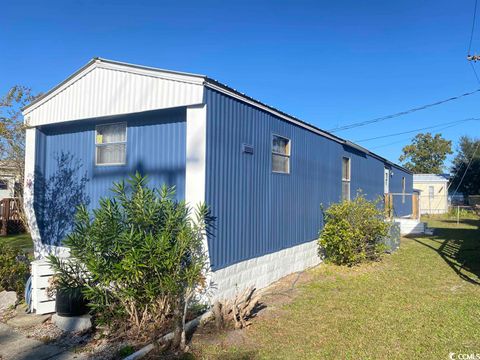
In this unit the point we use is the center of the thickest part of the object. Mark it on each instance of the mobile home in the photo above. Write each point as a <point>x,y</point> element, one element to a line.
<point>433,190</point>
<point>263,173</point>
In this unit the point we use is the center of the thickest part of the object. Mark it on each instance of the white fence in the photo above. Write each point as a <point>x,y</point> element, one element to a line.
<point>433,204</point>
<point>41,274</point>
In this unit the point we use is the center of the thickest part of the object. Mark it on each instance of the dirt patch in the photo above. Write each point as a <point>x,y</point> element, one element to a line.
<point>274,297</point>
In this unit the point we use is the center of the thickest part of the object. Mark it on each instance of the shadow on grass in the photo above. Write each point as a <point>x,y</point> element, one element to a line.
<point>470,222</point>
<point>459,247</point>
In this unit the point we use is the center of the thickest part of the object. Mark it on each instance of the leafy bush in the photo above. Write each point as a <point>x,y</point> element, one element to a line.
<point>353,232</point>
<point>14,269</point>
<point>143,255</point>
<point>69,275</point>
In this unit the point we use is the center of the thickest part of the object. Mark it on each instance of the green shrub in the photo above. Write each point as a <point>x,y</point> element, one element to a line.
<point>14,269</point>
<point>353,232</point>
<point>143,256</point>
<point>454,212</point>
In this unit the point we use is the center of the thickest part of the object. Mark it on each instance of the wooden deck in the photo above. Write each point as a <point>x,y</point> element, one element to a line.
<point>10,221</point>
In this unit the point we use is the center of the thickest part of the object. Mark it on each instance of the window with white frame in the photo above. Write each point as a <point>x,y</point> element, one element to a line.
<point>403,189</point>
<point>3,184</point>
<point>280,154</point>
<point>111,144</point>
<point>346,178</point>
<point>386,181</point>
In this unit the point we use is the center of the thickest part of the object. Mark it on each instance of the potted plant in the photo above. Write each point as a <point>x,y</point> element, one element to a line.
<point>68,284</point>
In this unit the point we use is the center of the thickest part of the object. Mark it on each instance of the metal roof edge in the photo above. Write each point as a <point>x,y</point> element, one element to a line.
<point>59,85</point>
<point>216,85</point>
<point>150,68</point>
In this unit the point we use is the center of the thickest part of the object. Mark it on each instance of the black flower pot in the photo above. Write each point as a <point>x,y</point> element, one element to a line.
<point>70,302</point>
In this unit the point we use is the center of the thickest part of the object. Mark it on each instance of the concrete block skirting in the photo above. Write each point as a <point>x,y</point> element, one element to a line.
<point>264,270</point>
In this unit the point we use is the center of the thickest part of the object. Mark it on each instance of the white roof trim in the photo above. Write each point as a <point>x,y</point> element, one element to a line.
<point>157,73</point>
<point>118,66</point>
<point>59,88</point>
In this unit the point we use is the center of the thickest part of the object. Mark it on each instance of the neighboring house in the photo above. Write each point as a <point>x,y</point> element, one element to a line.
<point>264,173</point>
<point>433,192</point>
<point>8,179</point>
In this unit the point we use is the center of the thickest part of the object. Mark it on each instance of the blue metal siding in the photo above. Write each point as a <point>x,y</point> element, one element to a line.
<point>156,146</point>
<point>401,206</point>
<point>260,212</point>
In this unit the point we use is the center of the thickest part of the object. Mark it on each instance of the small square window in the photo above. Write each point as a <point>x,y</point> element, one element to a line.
<point>280,154</point>
<point>111,144</point>
<point>3,184</point>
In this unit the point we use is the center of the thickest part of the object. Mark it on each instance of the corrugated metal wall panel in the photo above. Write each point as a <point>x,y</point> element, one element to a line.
<point>402,206</point>
<point>105,92</point>
<point>260,212</point>
<point>155,146</point>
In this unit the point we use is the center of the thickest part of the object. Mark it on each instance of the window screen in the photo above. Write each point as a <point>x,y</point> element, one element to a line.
<point>346,178</point>
<point>3,184</point>
<point>111,144</point>
<point>280,154</point>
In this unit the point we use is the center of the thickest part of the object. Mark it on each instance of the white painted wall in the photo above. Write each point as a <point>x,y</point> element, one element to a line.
<point>10,180</point>
<point>196,154</point>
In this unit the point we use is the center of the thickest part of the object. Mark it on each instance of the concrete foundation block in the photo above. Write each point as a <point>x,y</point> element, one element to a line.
<point>72,324</point>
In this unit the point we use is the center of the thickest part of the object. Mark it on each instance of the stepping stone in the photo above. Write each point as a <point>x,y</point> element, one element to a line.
<point>8,299</point>
<point>23,320</point>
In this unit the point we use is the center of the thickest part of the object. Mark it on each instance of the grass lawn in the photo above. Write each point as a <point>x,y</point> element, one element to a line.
<point>421,302</point>
<point>22,241</point>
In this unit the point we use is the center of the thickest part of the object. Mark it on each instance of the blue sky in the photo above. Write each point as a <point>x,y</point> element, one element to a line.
<point>329,63</point>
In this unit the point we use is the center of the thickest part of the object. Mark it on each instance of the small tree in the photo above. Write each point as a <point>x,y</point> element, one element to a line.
<point>468,156</point>
<point>144,257</point>
<point>426,154</point>
<point>353,232</point>
<point>12,136</point>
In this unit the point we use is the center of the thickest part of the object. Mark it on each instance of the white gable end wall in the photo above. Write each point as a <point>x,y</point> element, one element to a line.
<point>104,89</point>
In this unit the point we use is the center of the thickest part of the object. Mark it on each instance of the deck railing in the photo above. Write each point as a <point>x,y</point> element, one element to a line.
<point>10,220</point>
<point>404,205</point>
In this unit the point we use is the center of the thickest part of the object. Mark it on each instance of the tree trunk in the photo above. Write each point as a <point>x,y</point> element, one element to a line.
<point>178,322</point>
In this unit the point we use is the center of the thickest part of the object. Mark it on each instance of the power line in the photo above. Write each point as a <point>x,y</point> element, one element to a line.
<point>420,129</point>
<point>474,71</point>
<point>406,139</point>
<point>465,172</point>
<point>406,112</point>
<point>473,28</point>
<point>390,143</point>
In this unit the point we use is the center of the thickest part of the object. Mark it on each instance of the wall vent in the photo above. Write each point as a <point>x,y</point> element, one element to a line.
<point>247,148</point>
